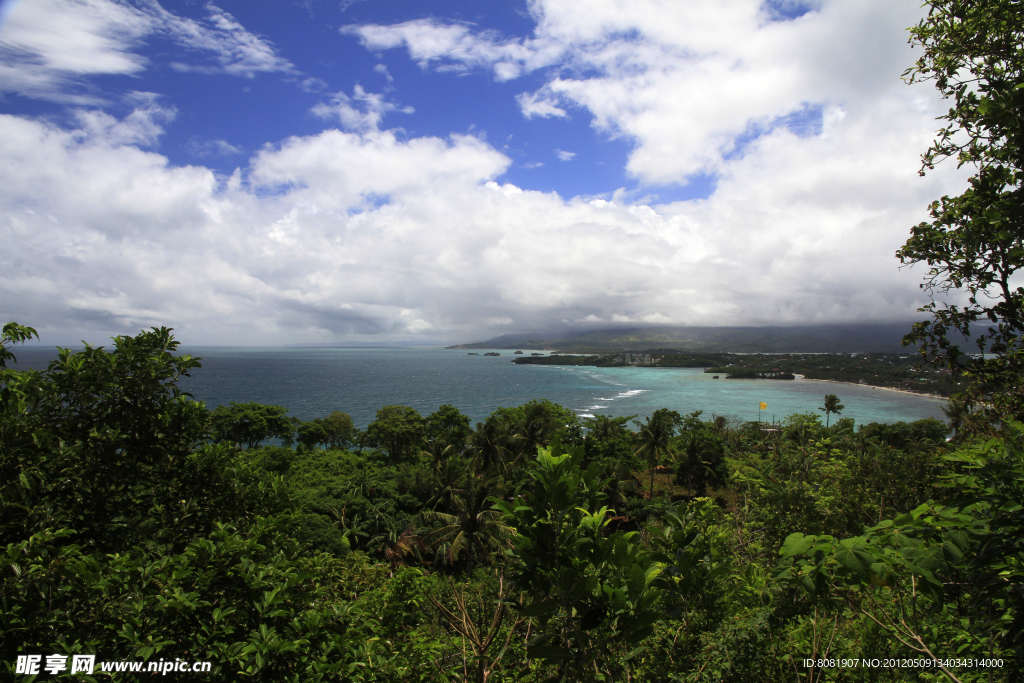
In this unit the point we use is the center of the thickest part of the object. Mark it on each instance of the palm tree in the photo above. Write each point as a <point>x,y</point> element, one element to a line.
<point>601,427</point>
<point>382,528</point>
<point>655,438</point>
<point>474,527</point>
<point>702,461</point>
<point>438,451</point>
<point>353,528</point>
<point>449,484</point>
<point>832,405</point>
<point>491,445</point>
<point>956,410</point>
<point>407,543</point>
<point>537,428</point>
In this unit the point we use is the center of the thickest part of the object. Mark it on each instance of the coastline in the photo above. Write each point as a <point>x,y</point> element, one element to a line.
<point>873,386</point>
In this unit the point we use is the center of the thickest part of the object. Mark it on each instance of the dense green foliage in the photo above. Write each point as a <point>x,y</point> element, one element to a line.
<point>250,424</point>
<point>534,547</point>
<point>974,53</point>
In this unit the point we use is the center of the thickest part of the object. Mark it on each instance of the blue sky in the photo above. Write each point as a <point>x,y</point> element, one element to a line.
<point>323,171</point>
<point>247,113</point>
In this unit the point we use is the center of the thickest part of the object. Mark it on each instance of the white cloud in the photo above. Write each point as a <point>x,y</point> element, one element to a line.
<point>141,127</point>
<point>212,148</point>
<point>360,112</point>
<point>682,80</point>
<point>49,48</point>
<point>236,51</point>
<point>563,155</point>
<point>383,71</point>
<point>539,104</point>
<point>339,171</point>
<point>362,231</point>
<point>314,85</point>
<point>47,45</point>
<point>506,71</point>
<point>357,234</point>
<point>455,47</point>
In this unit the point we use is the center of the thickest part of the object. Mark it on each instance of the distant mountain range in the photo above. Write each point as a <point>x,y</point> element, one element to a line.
<point>801,339</point>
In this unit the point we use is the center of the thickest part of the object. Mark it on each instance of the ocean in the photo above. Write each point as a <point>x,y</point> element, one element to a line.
<point>313,382</point>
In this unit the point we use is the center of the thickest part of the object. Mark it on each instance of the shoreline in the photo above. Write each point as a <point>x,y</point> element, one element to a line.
<point>872,386</point>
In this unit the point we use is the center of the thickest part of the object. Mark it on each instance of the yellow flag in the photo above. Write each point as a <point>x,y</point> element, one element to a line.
<point>764,406</point>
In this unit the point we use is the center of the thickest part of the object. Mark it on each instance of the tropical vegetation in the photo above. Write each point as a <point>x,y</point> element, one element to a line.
<point>138,525</point>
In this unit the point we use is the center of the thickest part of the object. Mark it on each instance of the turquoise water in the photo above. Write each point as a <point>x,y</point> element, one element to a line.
<point>312,382</point>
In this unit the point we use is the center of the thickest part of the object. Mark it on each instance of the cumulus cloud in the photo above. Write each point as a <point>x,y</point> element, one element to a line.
<point>350,234</point>
<point>360,231</point>
<point>141,128</point>
<point>49,48</point>
<point>563,155</point>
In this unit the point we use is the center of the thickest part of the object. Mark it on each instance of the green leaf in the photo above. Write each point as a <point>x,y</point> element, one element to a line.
<point>853,558</point>
<point>951,552</point>
<point>548,652</point>
<point>796,544</point>
<point>633,653</point>
<point>537,609</point>
<point>635,582</point>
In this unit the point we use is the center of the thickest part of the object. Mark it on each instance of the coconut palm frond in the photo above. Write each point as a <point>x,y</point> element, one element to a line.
<point>408,543</point>
<point>455,549</point>
<point>472,529</point>
<point>437,516</point>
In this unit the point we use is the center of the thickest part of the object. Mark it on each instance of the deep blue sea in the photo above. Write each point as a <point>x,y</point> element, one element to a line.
<point>312,382</point>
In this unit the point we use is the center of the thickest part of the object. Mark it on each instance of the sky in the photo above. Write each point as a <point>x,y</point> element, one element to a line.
<point>267,172</point>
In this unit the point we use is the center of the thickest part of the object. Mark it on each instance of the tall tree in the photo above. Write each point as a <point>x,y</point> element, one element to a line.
<point>339,429</point>
<point>608,438</point>
<point>448,426</point>
<point>492,444</point>
<point>702,461</point>
<point>334,431</point>
<point>590,591</point>
<point>474,527</point>
<point>398,430</point>
<point>654,441</point>
<point>539,425</point>
<point>105,442</point>
<point>250,423</point>
<point>957,410</point>
<point>974,244</point>
<point>832,405</point>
